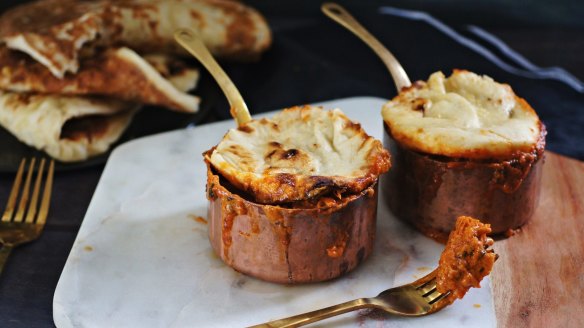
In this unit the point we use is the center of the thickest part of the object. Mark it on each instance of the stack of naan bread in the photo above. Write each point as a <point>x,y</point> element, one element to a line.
<point>73,73</point>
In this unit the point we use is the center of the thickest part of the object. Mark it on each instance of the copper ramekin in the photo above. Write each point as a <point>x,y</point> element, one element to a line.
<point>290,245</point>
<point>430,192</point>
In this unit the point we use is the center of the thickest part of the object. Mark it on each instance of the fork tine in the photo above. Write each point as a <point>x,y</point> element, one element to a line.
<point>427,287</point>
<point>435,298</point>
<point>432,294</point>
<point>32,208</point>
<point>25,193</point>
<point>425,279</point>
<point>44,210</point>
<point>7,216</point>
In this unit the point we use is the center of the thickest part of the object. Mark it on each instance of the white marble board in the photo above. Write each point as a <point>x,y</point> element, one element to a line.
<point>142,260</point>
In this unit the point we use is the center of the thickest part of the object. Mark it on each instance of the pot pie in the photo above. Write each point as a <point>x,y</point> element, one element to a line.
<point>462,145</point>
<point>293,198</point>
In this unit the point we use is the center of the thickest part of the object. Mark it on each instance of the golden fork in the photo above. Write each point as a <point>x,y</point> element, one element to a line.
<point>415,299</point>
<point>16,228</point>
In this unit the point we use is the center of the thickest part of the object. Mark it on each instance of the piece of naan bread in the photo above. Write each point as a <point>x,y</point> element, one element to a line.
<point>74,128</point>
<point>69,129</point>
<point>57,33</point>
<point>117,73</point>
<point>299,154</point>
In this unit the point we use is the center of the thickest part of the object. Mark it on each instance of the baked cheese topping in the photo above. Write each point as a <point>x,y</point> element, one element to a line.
<point>301,153</point>
<point>464,115</point>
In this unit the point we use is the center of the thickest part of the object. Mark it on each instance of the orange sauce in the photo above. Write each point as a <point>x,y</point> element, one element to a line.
<point>467,259</point>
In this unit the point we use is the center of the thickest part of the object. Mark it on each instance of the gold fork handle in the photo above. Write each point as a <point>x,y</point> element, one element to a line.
<point>342,16</point>
<point>4,253</point>
<point>310,317</point>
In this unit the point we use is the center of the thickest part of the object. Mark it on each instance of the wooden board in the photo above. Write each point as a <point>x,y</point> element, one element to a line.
<point>538,280</point>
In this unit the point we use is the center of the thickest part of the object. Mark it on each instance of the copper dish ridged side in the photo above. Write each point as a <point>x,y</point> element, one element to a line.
<point>430,192</point>
<point>290,245</point>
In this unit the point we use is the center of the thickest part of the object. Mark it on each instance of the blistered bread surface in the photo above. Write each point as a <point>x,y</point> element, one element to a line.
<point>464,116</point>
<point>300,153</point>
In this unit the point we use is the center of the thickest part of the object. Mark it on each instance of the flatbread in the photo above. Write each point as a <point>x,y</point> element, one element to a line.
<point>75,128</point>
<point>299,154</point>
<point>117,73</point>
<point>57,33</point>
<point>463,116</point>
<point>40,121</point>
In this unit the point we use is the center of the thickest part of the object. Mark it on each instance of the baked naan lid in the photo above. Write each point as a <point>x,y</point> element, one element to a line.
<point>299,154</point>
<point>117,73</point>
<point>57,33</point>
<point>463,116</point>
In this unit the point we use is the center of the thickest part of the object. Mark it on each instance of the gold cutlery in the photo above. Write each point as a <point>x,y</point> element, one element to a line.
<point>23,224</point>
<point>415,299</point>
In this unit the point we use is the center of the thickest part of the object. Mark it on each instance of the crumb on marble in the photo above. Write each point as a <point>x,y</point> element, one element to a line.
<point>88,248</point>
<point>197,218</point>
<point>476,305</point>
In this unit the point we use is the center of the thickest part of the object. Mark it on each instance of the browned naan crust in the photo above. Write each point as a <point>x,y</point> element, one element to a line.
<point>74,128</point>
<point>57,33</point>
<point>116,73</point>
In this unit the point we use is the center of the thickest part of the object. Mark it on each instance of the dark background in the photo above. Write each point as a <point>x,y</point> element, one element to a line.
<point>313,59</point>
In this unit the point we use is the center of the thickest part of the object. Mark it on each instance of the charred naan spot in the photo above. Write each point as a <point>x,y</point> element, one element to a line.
<point>419,84</point>
<point>352,126</point>
<point>236,149</point>
<point>200,18</point>
<point>19,99</point>
<point>290,154</point>
<point>245,158</point>
<point>286,179</point>
<point>274,148</point>
<point>245,128</point>
<point>419,104</point>
<point>275,144</point>
<point>270,154</point>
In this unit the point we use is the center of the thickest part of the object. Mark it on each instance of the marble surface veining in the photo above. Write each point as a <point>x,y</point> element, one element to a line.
<point>142,258</point>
